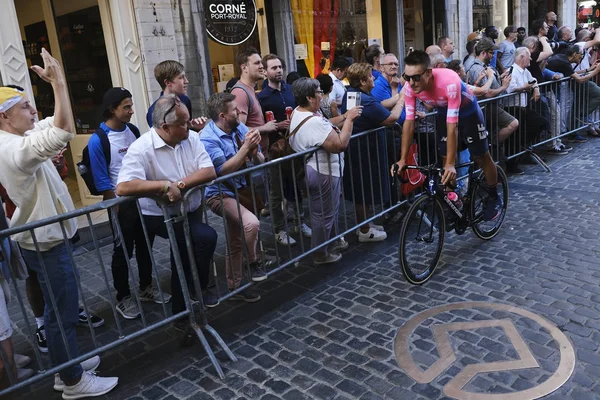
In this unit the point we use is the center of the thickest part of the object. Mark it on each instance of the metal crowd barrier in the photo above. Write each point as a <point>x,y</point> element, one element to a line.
<point>365,181</point>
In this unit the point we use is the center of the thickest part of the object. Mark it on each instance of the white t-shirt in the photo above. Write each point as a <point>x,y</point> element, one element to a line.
<point>312,134</point>
<point>119,144</point>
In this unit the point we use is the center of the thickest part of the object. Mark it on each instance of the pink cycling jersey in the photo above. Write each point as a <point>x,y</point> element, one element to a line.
<point>449,94</point>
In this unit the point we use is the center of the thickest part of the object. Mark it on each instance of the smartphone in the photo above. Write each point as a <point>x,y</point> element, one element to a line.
<point>533,82</point>
<point>510,70</point>
<point>352,100</point>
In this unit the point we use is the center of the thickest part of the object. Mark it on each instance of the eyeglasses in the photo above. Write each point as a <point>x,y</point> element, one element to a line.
<point>394,64</point>
<point>175,104</point>
<point>416,78</point>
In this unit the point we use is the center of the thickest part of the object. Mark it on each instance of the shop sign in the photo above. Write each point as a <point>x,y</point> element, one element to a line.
<point>230,22</point>
<point>301,51</point>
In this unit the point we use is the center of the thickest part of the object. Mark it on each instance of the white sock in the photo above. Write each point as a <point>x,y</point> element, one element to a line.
<point>39,321</point>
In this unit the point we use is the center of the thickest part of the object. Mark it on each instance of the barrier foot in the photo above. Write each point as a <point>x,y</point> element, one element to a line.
<point>208,350</point>
<point>539,160</point>
<point>221,343</point>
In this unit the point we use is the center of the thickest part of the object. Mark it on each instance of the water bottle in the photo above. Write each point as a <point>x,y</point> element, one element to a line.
<point>453,197</point>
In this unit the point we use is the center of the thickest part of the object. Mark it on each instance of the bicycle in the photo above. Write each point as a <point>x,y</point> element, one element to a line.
<point>432,214</point>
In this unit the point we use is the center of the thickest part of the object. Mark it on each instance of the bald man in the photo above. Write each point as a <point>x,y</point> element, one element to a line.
<point>433,50</point>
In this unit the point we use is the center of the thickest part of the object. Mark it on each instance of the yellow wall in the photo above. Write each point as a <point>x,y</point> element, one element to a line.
<point>374,19</point>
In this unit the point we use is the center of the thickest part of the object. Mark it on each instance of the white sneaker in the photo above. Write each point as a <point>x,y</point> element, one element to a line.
<point>338,246</point>
<point>373,235</point>
<point>283,238</point>
<point>90,385</point>
<point>330,259</point>
<point>128,308</point>
<point>88,365</point>
<point>305,229</point>
<point>152,293</point>
<point>372,226</point>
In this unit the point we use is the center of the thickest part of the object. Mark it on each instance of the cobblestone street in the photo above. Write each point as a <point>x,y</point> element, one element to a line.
<point>328,333</point>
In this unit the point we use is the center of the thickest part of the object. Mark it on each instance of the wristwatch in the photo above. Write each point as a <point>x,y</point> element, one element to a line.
<point>165,188</point>
<point>181,185</point>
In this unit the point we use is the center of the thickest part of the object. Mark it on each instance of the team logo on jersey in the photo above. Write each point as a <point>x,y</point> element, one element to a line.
<point>452,91</point>
<point>483,133</point>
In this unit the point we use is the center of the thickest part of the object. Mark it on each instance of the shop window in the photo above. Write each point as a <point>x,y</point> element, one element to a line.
<point>324,29</point>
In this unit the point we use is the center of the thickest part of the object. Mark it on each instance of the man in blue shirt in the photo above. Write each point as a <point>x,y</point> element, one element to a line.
<point>170,75</point>
<point>229,145</point>
<point>118,110</point>
<point>388,89</point>
<point>276,97</point>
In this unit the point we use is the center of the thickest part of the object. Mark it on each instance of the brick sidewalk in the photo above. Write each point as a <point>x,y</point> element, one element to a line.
<point>327,333</point>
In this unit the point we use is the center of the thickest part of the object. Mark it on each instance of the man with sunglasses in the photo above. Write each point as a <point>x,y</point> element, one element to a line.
<point>443,89</point>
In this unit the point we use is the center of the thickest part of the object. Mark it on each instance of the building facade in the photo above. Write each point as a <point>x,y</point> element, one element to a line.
<point>105,43</point>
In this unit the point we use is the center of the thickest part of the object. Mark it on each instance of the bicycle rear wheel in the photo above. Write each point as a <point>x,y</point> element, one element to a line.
<point>479,194</point>
<point>421,239</point>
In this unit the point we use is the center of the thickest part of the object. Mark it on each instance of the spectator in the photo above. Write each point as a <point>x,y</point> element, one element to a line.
<point>506,49</point>
<point>562,63</point>
<point>251,113</point>
<point>584,41</point>
<point>328,107</point>
<point>118,132</point>
<point>324,169</point>
<point>491,32</point>
<point>540,51</point>
<point>161,164</point>
<point>447,46</point>
<point>373,188</point>
<point>338,72</point>
<point>11,266</point>
<point>230,144</point>
<point>470,57</point>
<point>551,19</point>
<point>292,77</point>
<point>373,55</point>
<point>170,75</point>
<point>521,33</point>
<point>477,88</point>
<point>276,97</point>
<point>524,83</point>
<point>433,50</point>
<point>33,183</point>
<point>540,28</point>
<point>438,61</point>
<point>474,36</point>
<point>387,87</point>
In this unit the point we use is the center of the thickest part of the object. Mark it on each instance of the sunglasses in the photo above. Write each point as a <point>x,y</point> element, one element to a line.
<point>416,78</point>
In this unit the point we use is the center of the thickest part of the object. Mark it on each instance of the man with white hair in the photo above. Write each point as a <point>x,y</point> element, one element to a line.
<point>34,185</point>
<point>433,50</point>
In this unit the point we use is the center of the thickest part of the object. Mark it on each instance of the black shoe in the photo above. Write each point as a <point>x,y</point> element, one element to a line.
<point>248,295</point>
<point>258,272</point>
<point>210,300</point>
<point>40,335</point>
<point>83,319</point>
<point>514,169</point>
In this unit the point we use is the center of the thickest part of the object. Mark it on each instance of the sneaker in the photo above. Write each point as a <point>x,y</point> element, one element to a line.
<point>338,246</point>
<point>306,231</point>
<point>210,300</point>
<point>329,259</point>
<point>90,385</point>
<point>492,208</point>
<point>88,365</point>
<point>257,270</point>
<point>265,212</point>
<point>565,147</point>
<point>24,373</point>
<point>558,150</point>
<point>577,139</point>
<point>372,226</point>
<point>373,235</point>
<point>248,295</point>
<point>514,169</point>
<point>40,334</point>
<point>152,293</point>
<point>21,360</point>
<point>128,308</point>
<point>94,319</point>
<point>283,238</point>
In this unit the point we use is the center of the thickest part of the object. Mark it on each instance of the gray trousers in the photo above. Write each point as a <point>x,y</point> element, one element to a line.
<point>324,192</point>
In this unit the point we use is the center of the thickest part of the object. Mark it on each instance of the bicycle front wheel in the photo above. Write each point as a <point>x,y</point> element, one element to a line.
<point>479,195</point>
<point>421,239</point>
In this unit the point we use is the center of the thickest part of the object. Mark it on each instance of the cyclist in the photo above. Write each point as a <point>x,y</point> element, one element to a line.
<point>442,88</point>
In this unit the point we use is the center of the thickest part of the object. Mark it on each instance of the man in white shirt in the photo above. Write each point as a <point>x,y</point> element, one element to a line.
<point>34,185</point>
<point>338,72</point>
<point>163,163</point>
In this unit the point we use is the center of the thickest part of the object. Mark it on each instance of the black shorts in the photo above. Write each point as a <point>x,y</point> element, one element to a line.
<point>471,132</point>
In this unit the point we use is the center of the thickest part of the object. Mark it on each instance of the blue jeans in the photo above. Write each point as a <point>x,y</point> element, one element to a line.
<point>61,280</point>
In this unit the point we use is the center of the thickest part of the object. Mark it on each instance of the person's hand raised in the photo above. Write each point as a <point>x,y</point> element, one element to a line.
<point>52,71</point>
